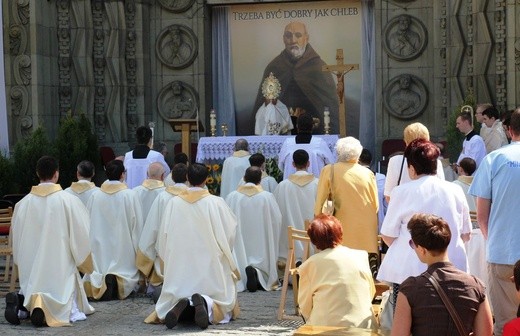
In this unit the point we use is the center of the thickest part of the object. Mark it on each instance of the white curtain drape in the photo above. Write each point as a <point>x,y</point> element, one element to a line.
<point>4,135</point>
<point>223,100</point>
<point>367,110</point>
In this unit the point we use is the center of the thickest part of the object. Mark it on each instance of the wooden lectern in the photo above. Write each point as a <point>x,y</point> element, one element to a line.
<point>186,126</point>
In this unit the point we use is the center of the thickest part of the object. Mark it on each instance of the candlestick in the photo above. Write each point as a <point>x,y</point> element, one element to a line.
<point>224,129</point>
<point>213,122</point>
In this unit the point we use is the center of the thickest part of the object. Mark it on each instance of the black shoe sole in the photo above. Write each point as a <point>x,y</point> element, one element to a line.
<point>111,291</point>
<point>252,279</point>
<point>201,311</point>
<point>172,317</point>
<point>11,308</point>
<point>38,317</point>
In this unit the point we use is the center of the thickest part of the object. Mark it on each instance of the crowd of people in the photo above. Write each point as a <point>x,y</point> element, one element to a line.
<point>160,231</point>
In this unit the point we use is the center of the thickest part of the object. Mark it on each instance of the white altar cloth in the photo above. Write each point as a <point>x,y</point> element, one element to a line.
<point>219,148</point>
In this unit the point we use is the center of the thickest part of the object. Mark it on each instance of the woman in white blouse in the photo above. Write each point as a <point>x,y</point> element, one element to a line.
<point>428,194</point>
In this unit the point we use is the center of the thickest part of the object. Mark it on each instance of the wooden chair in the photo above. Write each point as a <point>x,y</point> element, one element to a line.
<point>293,235</point>
<point>473,217</point>
<point>6,248</point>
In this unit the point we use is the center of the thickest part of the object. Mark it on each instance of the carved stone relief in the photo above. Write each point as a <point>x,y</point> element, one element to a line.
<point>64,60</point>
<point>177,100</point>
<point>405,97</point>
<point>517,54</point>
<point>99,65</point>
<point>132,119</point>
<point>176,46</point>
<point>404,38</point>
<point>21,68</point>
<point>177,6</point>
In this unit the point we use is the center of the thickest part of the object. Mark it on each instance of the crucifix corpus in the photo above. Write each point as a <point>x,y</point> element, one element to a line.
<point>340,69</point>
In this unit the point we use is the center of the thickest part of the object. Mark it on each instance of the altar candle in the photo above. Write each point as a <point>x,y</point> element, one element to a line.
<point>212,118</point>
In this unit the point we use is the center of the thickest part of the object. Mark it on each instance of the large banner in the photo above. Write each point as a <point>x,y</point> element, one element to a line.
<point>294,40</point>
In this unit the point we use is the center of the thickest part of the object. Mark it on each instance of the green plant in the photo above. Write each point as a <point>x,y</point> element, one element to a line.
<point>26,154</point>
<point>7,184</point>
<point>75,142</point>
<point>453,135</point>
<point>271,168</point>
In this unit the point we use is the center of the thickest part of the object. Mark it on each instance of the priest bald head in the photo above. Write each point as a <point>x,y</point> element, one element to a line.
<point>47,169</point>
<point>155,171</point>
<point>295,38</point>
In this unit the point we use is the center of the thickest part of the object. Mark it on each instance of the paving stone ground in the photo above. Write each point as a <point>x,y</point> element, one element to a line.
<point>258,317</point>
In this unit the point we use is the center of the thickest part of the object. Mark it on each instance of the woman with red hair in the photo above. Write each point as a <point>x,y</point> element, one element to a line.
<point>336,286</point>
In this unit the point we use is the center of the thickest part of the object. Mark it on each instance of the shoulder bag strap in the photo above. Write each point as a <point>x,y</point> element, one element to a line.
<point>331,181</point>
<point>447,303</point>
<point>400,171</point>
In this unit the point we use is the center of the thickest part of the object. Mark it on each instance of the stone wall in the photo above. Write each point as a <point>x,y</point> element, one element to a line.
<point>449,49</point>
<point>124,63</point>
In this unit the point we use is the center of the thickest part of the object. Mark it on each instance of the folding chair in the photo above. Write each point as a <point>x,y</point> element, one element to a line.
<point>473,217</point>
<point>293,235</point>
<point>6,249</point>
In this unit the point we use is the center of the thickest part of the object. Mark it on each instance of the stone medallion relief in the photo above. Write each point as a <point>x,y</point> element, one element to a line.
<point>176,46</point>
<point>404,38</point>
<point>405,97</point>
<point>177,100</point>
<point>177,6</point>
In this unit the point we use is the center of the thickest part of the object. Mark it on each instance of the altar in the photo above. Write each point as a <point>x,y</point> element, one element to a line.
<point>220,148</point>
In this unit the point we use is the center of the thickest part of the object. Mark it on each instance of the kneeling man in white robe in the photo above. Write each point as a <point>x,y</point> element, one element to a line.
<point>199,269</point>
<point>115,229</point>
<point>234,167</point>
<point>153,238</point>
<point>84,188</point>
<point>151,187</point>
<point>268,183</point>
<point>296,197</point>
<point>50,232</point>
<point>256,244</point>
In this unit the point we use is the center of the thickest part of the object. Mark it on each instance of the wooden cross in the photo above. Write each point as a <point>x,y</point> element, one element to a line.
<point>340,69</point>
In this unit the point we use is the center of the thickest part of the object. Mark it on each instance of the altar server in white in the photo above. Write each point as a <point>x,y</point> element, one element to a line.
<point>84,187</point>
<point>234,167</point>
<point>137,161</point>
<point>199,269</point>
<point>116,224</point>
<point>319,153</point>
<point>258,233</point>
<point>151,187</point>
<point>50,232</point>
<point>149,260</point>
<point>296,197</point>
<point>268,183</point>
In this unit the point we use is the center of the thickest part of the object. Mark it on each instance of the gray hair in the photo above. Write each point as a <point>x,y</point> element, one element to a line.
<point>241,144</point>
<point>348,149</point>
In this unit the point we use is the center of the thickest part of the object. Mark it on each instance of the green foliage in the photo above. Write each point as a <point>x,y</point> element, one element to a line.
<point>453,135</point>
<point>75,142</point>
<point>26,154</point>
<point>7,184</point>
<point>271,168</point>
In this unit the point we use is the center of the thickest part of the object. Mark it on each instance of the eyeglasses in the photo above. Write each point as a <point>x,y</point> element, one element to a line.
<point>412,244</point>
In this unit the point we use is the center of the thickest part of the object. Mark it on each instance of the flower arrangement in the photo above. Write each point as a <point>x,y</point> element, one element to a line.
<point>214,178</point>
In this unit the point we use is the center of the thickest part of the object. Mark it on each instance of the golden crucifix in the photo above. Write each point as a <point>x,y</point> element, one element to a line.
<point>340,69</point>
